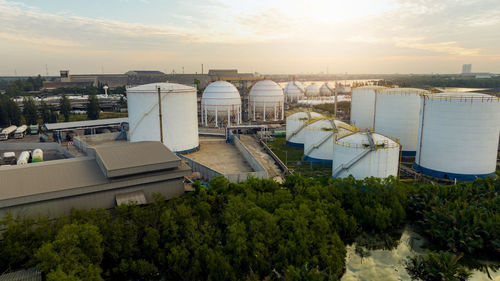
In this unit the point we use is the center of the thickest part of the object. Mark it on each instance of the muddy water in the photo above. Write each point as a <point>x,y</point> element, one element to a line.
<point>388,265</point>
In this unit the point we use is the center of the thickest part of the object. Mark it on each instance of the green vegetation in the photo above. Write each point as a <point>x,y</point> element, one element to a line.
<point>292,157</point>
<point>21,87</point>
<point>65,107</point>
<point>30,111</point>
<point>429,81</point>
<point>10,114</point>
<point>342,106</point>
<point>437,266</point>
<point>93,108</point>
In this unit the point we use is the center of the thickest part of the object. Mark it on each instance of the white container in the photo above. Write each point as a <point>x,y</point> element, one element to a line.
<point>312,91</point>
<point>37,156</point>
<point>179,115</point>
<point>266,99</point>
<point>355,156</point>
<point>396,115</point>
<point>294,91</point>
<point>458,135</point>
<point>318,140</point>
<point>295,125</point>
<point>327,90</point>
<point>20,132</point>
<point>363,106</point>
<point>23,158</point>
<point>221,103</point>
<point>4,135</point>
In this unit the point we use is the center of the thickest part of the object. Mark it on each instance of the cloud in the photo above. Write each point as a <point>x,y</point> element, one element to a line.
<point>450,47</point>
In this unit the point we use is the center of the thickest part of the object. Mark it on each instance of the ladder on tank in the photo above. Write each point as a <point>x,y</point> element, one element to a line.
<point>356,159</point>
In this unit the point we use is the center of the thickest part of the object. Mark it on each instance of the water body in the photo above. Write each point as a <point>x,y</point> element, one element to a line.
<point>461,90</point>
<point>343,82</point>
<point>387,265</point>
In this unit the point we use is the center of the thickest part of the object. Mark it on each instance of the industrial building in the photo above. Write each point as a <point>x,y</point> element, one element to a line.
<point>295,124</point>
<point>458,135</point>
<point>164,112</point>
<point>396,114</point>
<point>319,137</point>
<point>113,174</point>
<point>365,154</point>
<point>221,104</point>
<point>266,101</point>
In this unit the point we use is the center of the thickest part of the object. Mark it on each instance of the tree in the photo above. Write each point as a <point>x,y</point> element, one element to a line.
<point>93,107</point>
<point>75,254</point>
<point>436,266</point>
<point>45,112</point>
<point>53,114</point>
<point>65,107</point>
<point>30,111</point>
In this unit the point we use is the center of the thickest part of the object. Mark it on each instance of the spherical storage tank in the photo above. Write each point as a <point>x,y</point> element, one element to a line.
<point>365,154</point>
<point>397,113</point>
<point>266,98</point>
<point>458,135</point>
<point>312,90</point>
<point>363,106</point>
<point>178,111</point>
<point>327,90</point>
<point>318,140</point>
<point>295,125</point>
<point>221,102</point>
<point>294,90</point>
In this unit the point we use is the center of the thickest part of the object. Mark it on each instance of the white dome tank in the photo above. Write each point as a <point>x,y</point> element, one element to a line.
<point>312,91</point>
<point>221,102</point>
<point>327,90</point>
<point>363,106</point>
<point>397,114</point>
<point>294,90</point>
<point>458,135</point>
<point>318,140</point>
<point>179,115</point>
<point>266,98</point>
<point>365,154</point>
<point>295,125</point>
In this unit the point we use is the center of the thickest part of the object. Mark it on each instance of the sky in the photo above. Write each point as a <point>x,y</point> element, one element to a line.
<point>265,36</point>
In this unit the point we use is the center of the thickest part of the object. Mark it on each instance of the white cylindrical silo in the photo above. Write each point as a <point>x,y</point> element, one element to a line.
<point>312,91</point>
<point>295,125</point>
<point>365,154</point>
<point>294,90</point>
<point>318,139</point>
<point>266,100</point>
<point>221,104</point>
<point>23,158</point>
<point>458,135</point>
<point>397,113</point>
<point>363,106</point>
<point>327,90</point>
<point>178,111</point>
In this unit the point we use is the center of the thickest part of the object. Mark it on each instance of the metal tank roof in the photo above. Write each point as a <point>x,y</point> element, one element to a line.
<point>165,87</point>
<point>221,93</point>
<point>327,89</point>
<point>303,115</point>
<point>361,140</point>
<point>312,90</point>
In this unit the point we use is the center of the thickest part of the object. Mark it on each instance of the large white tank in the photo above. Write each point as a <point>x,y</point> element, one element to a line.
<point>295,125</point>
<point>327,89</point>
<point>363,106</point>
<point>178,110</point>
<point>365,154</point>
<point>266,98</point>
<point>294,90</point>
<point>221,102</point>
<point>397,114</point>
<point>23,158</point>
<point>312,91</point>
<point>318,140</point>
<point>458,135</point>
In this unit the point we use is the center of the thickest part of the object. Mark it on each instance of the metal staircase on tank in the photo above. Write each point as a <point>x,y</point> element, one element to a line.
<point>356,159</point>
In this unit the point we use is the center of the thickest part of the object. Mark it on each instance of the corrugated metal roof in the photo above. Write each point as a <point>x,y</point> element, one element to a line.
<point>84,124</point>
<point>30,274</point>
<point>133,158</point>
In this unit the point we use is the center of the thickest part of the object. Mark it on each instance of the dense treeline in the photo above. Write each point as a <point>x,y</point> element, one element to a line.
<point>253,230</point>
<point>429,81</point>
<point>22,86</point>
<point>10,114</point>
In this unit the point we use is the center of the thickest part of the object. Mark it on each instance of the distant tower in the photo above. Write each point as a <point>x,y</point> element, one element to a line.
<point>466,68</point>
<point>65,76</point>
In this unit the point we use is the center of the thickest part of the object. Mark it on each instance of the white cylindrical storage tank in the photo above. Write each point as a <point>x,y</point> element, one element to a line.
<point>178,111</point>
<point>312,91</point>
<point>363,106</point>
<point>266,99</point>
<point>458,135</point>
<point>295,125</point>
<point>23,158</point>
<point>318,140</point>
<point>397,113</point>
<point>37,155</point>
<point>221,103</point>
<point>365,154</point>
<point>294,90</point>
<point>327,90</point>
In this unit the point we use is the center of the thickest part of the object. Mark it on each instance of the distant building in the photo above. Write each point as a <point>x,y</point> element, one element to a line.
<point>466,68</point>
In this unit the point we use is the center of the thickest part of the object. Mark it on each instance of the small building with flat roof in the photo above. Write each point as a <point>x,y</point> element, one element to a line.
<point>116,173</point>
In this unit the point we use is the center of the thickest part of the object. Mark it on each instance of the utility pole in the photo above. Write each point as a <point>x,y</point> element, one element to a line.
<point>161,118</point>
<point>202,68</point>
<point>46,70</point>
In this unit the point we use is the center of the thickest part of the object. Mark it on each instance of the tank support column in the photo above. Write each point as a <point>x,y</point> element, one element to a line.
<point>264,113</point>
<point>216,125</point>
